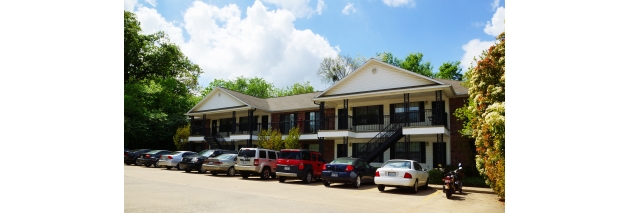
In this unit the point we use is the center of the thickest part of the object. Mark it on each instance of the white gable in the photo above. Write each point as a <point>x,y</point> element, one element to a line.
<point>376,76</point>
<point>217,100</point>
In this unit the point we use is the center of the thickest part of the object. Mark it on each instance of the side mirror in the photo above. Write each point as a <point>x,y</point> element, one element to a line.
<point>459,165</point>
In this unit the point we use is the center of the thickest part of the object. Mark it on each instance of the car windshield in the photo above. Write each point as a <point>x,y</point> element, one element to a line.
<point>225,156</point>
<point>206,153</point>
<point>247,153</point>
<point>346,161</point>
<point>397,164</point>
<point>296,155</point>
<point>175,153</point>
<point>153,152</point>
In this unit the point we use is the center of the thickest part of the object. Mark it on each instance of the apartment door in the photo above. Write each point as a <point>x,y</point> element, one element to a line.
<point>343,118</point>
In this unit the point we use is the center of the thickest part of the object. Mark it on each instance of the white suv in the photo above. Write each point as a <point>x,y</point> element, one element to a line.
<point>256,161</point>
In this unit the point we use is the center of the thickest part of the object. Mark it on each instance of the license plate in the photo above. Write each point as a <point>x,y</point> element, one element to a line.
<point>447,181</point>
<point>334,175</point>
<point>211,163</point>
<point>287,168</point>
<point>391,174</point>
<point>244,163</point>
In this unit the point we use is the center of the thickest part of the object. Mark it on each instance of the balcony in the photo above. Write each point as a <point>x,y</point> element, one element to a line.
<point>375,123</point>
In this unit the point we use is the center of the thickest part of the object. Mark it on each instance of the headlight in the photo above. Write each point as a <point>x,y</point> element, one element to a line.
<point>194,160</point>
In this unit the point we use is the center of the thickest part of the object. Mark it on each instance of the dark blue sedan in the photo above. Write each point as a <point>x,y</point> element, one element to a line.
<point>348,170</point>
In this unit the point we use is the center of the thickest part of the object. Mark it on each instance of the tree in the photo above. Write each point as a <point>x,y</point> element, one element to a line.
<point>333,69</point>
<point>270,139</point>
<point>292,141</point>
<point>158,84</point>
<point>182,133</point>
<point>413,62</point>
<point>296,89</point>
<point>484,115</point>
<point>450,70</point>
<point>257,87</point>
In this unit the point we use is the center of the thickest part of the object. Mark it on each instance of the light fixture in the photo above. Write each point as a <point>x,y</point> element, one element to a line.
<point>426,143</point>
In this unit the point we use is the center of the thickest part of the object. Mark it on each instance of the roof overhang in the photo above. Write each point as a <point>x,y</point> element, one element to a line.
<point>395,91</point>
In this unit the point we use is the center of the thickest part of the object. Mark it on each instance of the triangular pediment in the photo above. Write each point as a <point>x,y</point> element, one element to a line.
<point>217,100</point>
<point>375,76</point>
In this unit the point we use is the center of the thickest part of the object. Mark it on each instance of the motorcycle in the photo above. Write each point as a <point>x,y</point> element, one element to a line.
<point>452,182</point>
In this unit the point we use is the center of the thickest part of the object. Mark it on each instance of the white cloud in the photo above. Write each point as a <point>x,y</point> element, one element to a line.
<point>495,4</point>
<point>130,4</point>
<point>263,44</point>
<point>498,23</point>
<point>320,6</point>
<point>399,3</point>
<point>151,2</point>
<point>474,48</point>
<point>299,8</point>
<point>348,8</point>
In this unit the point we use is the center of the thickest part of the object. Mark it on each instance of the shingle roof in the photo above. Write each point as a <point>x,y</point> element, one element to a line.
<point>457,86</point>
<point>292,102</point>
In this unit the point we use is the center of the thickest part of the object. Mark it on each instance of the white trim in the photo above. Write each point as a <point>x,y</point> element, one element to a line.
<point>196,138</point>
<point>215,90</point>
<point>380,93</point>
<point>219,111</point>
<point>242,137</point>
<point>425,130</point>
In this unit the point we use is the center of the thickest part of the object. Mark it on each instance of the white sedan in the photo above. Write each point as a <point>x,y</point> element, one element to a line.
<point>401,173</point>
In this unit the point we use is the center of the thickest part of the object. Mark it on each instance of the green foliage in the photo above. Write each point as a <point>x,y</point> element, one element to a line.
<point>158,86</point>
<point>181,133</point>
<point>484,115</point>
<point>270,139</point>
<point>333,69</point>
<point>450,70</point>
<point>435,176</point>
<point>292,141</point>
<point>257,87</point>
<point>413,62</point>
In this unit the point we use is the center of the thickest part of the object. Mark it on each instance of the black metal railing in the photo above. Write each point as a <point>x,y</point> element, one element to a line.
<point>383,135</point>
<point>362,123</point>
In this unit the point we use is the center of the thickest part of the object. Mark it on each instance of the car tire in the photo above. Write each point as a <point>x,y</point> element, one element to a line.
<point>179,167</point>
<point>137,162</point>
<point>273,175</point>
<point>244,175</point>
<point>156,164</point>
<point>414,189</point>
<point>308,178</point>
<point>201,170</point>
<point>215,173</point>
<point>426,185</point>
<point>127,163</point>
<point>282,179</point>
<point>147,165</point>
<point>381,188</point>
<point>449,192</point>
<point>357,182</point>
<point>231,172</point>
<point>265,174</point>
<point>326,183</point>
<point>187,170</point>
<point>169,167</point>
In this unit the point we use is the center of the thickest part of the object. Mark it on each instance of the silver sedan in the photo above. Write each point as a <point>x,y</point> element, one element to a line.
<point>223,163</point>
<point>172,159</point>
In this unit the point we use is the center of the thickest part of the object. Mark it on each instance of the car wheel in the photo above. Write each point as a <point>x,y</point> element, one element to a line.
<point>147,165</point>
<point>282,179</point>
<point>415,187</point>
<point>265,174</point>
<point>187,170</point>
<point>169,167</point>
<point>156,164</point>
<point>273,175</point>
<point>326,183</point>
<point>214,173</point>
<point>244,175</point>
<point>127,163</point>
<point>137,162</point>
<point>357,182</point>
<point>308,178</point>
<point>381,188</point>
<point>426,185</point>
<point>231,172</point>
<point>179,167</point>
<point>201,170</point>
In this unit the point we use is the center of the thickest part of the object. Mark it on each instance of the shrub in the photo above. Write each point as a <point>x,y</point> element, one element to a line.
<point>435,176</point>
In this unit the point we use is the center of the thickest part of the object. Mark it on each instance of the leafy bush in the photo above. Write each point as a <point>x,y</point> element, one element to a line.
<point>435,176</point>
<point>181,133</point>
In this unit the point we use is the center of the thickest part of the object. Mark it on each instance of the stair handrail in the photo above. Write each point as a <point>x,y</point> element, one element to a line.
<point>387,132</point>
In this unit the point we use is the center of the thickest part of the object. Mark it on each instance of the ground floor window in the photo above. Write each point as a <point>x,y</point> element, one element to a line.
<point>417,151</point>
<point>357,149</point>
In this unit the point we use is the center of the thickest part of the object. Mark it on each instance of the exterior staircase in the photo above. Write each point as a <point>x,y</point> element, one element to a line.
<point>381,142</point>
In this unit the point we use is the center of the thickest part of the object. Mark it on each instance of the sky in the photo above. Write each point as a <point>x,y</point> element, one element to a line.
<point>283,41</point>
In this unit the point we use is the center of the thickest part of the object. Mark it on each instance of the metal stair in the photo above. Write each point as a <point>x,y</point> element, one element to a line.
<point>381,142</point>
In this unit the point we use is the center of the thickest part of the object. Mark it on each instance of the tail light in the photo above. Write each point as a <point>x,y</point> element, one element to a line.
<point>147,156</point>
<point>206,161</point>
<point>256,162</point>
<point>407,175</point>
<point>126,154</point>
<point>301,166</point>
<point>324,167</point>
<point>217,163</point>
<point>170,157</point>
<point>160,156</point>
<point>446,178</point>
<point>378,174</point>
<point>349,168</point>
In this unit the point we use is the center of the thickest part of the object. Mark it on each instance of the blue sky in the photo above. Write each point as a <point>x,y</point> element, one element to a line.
<point>283,41</point>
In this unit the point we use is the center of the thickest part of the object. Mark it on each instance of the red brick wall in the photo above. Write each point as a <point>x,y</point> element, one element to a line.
<point>330,112</point>
<point>329,148</point>
<point>461,151</point>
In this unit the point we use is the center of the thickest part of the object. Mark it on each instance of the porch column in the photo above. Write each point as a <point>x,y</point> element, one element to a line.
<point>192,121</point>
<point>321,116</point>
<point>203,126</point>
<point>406,108</point>
<point>441,145</point>
<point>346,117</point>
<point>345,146</point>
<point>321,145</point>
<point>250,121</point>
<point>233,122</point>
<point>439,109</point>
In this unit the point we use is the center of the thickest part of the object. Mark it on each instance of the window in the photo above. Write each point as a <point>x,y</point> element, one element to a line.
<point>313,147</point>
<point>320,158</point>
<point>417,165</point>
<point>417,151</point>
<point>244,121</point>
<point>272,155</point>
<point>287,121</point>
<point>416,112</point>
<point>311,123</point>
<point>366,115</point>
<point>262,154</point>
<point>225,125</point>
<point>306,155</point>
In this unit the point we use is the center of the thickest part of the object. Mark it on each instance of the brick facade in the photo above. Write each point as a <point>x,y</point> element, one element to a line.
<point>461,149</point>
<point>329,148</point>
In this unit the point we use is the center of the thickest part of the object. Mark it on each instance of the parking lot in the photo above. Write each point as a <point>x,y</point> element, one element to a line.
<point>160,190</point>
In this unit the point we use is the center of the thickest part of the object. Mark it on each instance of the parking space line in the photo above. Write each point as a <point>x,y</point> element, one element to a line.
<point>435,193</point>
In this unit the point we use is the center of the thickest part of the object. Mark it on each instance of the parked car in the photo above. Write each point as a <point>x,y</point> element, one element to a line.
<point>256,161</point>
<point>401,173</point>
<point>223,163</point>
<point>131,156</point>
<point>299,163</point>
<point>348,170</point>
<point>193,162</point>
<point>172,159</point>
<point>152,157</point>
